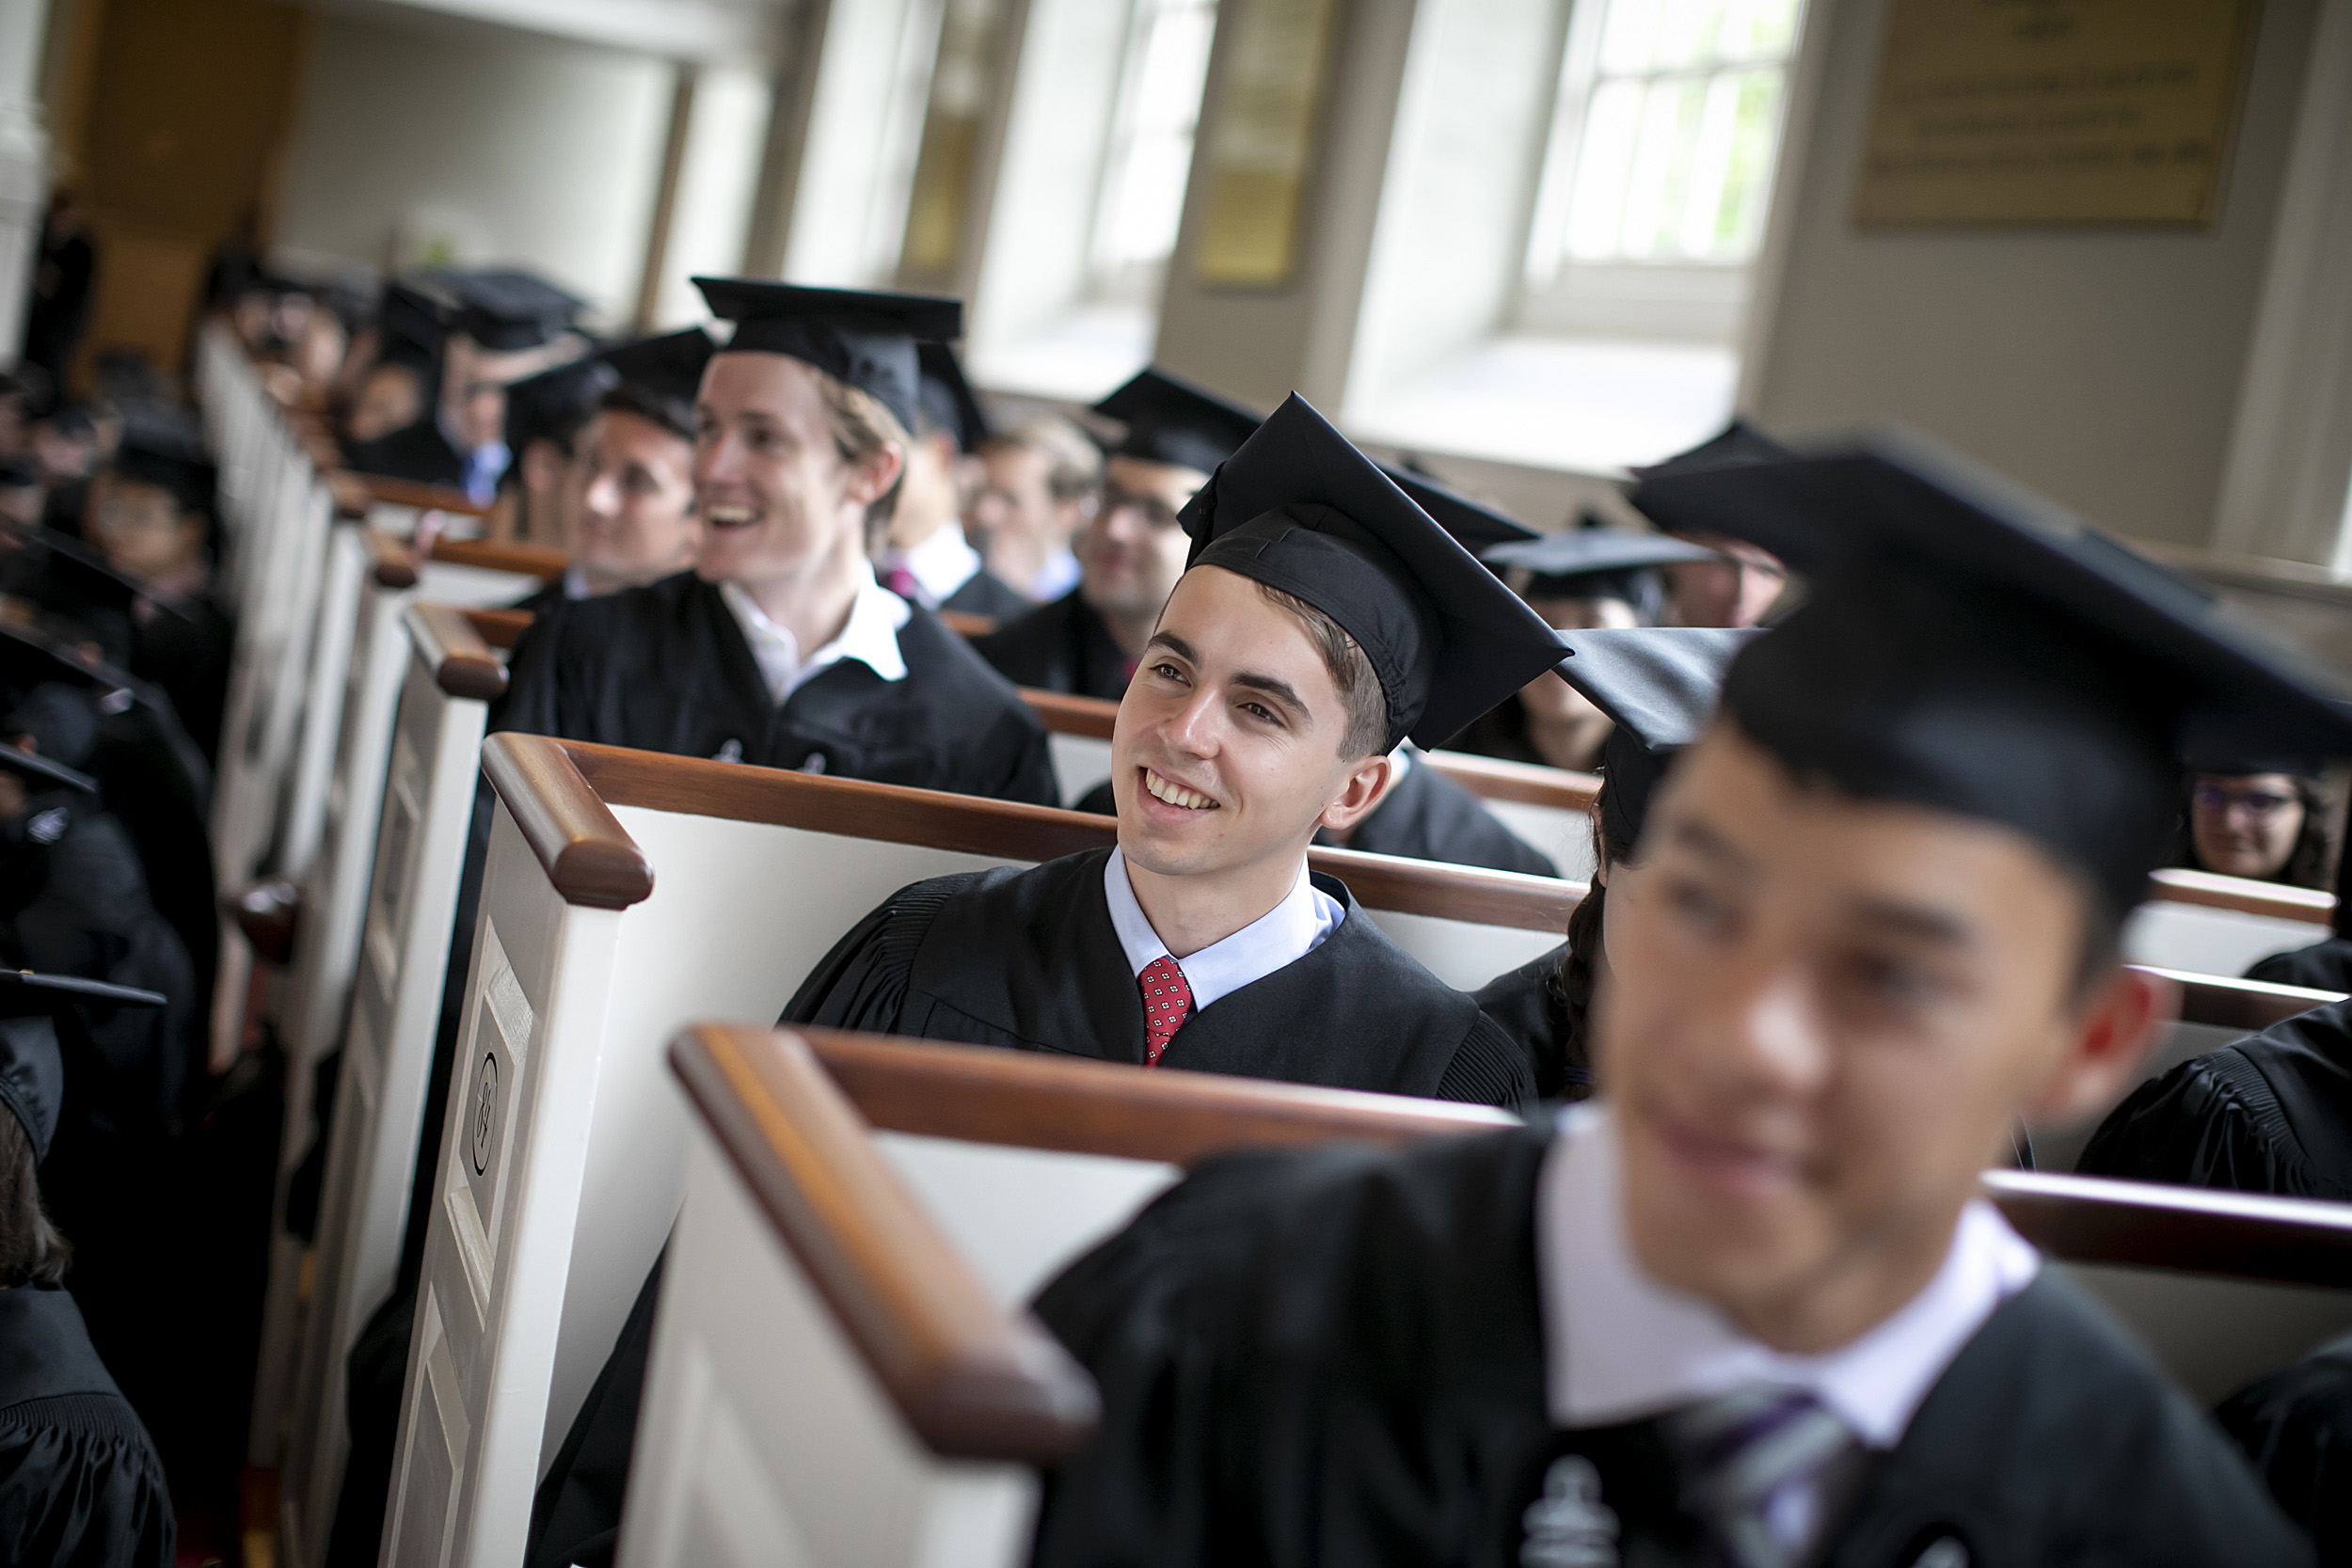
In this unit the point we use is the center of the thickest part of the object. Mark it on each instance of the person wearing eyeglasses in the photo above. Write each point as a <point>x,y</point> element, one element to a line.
<point>2267,827</point>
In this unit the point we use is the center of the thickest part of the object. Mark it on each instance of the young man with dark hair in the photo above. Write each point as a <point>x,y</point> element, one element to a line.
<point>1325,618</point>
<point>1749,1306</point>
<point>1038,478</point>
<point>1131,550</point>
<point>923,557</point>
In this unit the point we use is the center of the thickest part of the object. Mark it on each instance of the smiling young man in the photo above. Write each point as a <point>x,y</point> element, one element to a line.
<point>780,647</point>
<point>1749,1307</point>
<point>1131,551</point>
<point>1324,618</point>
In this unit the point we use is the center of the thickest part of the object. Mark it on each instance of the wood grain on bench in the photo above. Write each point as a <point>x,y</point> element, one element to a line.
<point>973,1380</point>
<point>463,662</point>
<point>384,490</point>
<point>2084,1219</point>
<point>2179,885</point>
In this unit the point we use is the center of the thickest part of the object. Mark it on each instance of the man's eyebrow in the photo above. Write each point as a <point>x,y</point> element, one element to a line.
<point>1274,686</point>
<point>1700,839</point>
<point>1174,644</point>
<point>1920,923</point>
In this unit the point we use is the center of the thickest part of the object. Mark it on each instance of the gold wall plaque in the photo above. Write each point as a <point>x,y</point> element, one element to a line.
<point>1261,147</point>
<point>2055,112</point>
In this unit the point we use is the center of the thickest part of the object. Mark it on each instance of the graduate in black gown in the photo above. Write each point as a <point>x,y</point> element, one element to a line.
<point>778,649</point>
<point>1748,1307</point>
<point>544,415</point>
<point>2297,1426</point>
<point>923,557</point>
<point>500,326</point>
<point>1658,686</point>
<point>1253,720</point>
<point>1131,551</point>
<point>81,1485</point>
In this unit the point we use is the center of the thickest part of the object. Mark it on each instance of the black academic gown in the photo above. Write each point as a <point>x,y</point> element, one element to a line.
<point>1337,1358</point>
<point>184,652</point>
<point>1525,1005</point>
<point>1428,817</point>
<point>1062,646</point>
<point>2322,966</point>
<point>986,593</point>
<point>664,668</point>
<point>2271,1112</point>
<point>420,454</point>
<point>2297,1426</point>
<point>544,600</point>
<point>1029,960</point>
<point>80,1482</point>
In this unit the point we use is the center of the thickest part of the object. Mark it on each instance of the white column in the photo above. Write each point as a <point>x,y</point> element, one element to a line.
<point>2288,474</point>
<point>24,163</point>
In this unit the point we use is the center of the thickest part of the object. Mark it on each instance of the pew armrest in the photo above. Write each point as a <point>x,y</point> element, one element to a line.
<point>585,851</point>
<point>1493,778</point>
<point>530,560</point>
<point>500,628</point>
<point>2084,1219</point>
<point>2180,885</point>
<point>2249,1006</point>
<point>463,664</point>
<point>395,567</point>
<point>973,1380</point>
<point>1063,713</point>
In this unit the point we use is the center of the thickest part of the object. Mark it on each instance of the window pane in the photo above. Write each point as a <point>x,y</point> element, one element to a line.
<point>1149,156</point>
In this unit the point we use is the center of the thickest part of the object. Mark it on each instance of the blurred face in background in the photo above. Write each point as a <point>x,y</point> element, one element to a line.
<point>931,495</point>
<point>392,398</point>
<point>474,380</point>
<point>631,502</point>
<point>141,528</point>
<point>1131,551</point>
<point>1023,522</point>
<point>1736,591</point>
<point>2245,825</point>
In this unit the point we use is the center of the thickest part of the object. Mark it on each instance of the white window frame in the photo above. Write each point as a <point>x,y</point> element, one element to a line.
<point>1673,300</point>
<point>1133,283</point>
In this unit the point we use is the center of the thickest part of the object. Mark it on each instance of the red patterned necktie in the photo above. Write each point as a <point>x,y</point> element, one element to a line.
<point>1166,1002</point>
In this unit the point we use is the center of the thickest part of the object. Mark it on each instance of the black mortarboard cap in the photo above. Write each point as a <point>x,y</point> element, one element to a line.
<point>506,310</point>
<point>553,404</point>
<point>1970,648</point>
<point>411,322</point>
<point>1658,686</point>
<point>169,451</point>
<point>1736,443</point>
<point>865,339</point>
<point>1168,420</point>
<point>1594,562</point>
<point>74,578</point>
<point>670,365</point>
<point>946,399</point>
<point>40,773</point>
<point>1475,526</point>
<point>32,1069</point>
<point>1299,509</point>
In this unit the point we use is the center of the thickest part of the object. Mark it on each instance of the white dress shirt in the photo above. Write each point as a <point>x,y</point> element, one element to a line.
<point>1619,1346</point>
<point>1284,934</point>
<point>940,564</point>
<point>870,636</point>
<point>1057,576</point>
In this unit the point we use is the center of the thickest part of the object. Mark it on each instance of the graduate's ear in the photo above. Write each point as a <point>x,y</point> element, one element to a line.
<point>1365,786</point>
<point>874,472</point>
<point>2113,1027</point>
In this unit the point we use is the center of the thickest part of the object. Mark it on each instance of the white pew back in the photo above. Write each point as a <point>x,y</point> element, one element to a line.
<point>711,887</point>
<point>1022,1164</point>
<point>406,897</point>
<point>2211,924</point>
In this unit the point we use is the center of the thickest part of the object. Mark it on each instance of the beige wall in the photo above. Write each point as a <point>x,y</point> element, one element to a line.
<point>515,148</point>
<point>2102,368</point>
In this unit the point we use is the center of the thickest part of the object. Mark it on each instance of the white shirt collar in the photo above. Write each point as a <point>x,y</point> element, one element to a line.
<point>1284,934</point>
<point>575,583</point>
<point>1057,576</point>
<point>1619,1346</point>
<point>940,564</point>
<point>870,636</point>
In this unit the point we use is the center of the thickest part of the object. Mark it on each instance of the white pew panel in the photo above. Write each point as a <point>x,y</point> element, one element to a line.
<point>2168,934</point>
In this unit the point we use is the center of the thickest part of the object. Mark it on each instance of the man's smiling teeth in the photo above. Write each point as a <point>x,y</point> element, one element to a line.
<point>729,516</point>
<point>1175,794</point>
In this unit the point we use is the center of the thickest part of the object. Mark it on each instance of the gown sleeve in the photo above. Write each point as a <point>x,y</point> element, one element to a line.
<point>531,703</point>
<point>862,984</point>
<point>1489,1069</point>
<point>2296,1425</point>
<point>2323,966</point>
<point>80,1482</point>
<point>1525,1005</point>
<point>2209,1122</point>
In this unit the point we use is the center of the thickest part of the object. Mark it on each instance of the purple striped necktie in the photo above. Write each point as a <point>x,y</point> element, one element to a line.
<point>1753,1462</point>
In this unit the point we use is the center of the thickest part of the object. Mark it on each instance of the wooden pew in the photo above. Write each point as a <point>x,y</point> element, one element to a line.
<point>778,1403</point>
<point>390,893</point>
<point>709,887</point>
<point>2196,920</point>
<point>624,895</point>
